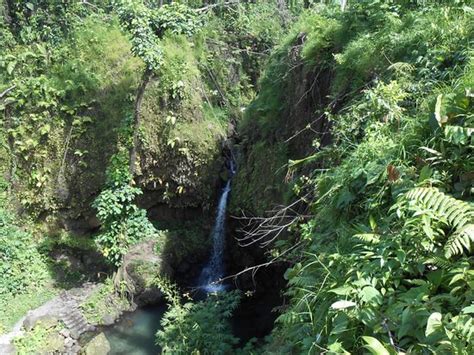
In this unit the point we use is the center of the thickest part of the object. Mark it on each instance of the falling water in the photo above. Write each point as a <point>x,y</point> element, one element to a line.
<point>214,270</point>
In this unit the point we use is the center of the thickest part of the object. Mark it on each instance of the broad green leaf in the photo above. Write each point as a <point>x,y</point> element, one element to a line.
<point>373,222</point>
<point>370,294</point>
<point>468,310</point>
<point>435,277</point>
<point>434,323</point>
<point>440,118</point>
<point>342,304</point>
<point>343,290</point>
<point>374,346</point>
<point>11,67</point>
<point>336,348</point>
<point>458,135</point>
<point>425,173</point>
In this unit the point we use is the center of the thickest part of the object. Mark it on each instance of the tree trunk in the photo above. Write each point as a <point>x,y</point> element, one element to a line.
<point>6,13</point>
<point>147,75</point>
<point>11,152</point>
<point>343,4</point>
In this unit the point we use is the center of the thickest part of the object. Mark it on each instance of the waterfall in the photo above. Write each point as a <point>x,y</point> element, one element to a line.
<point>214,270</point>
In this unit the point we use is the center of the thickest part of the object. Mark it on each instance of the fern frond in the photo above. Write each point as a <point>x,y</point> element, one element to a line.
<point>439,261</point>
<point>457,213</point>
<point>460,240</point>
<point>371,238</point>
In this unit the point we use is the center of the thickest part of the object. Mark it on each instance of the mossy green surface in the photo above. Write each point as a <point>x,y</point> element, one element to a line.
<point>14,307</point>
<point>44,338</point>
<point>260,181</point>
<point>93,77</point>
<point>181,130</point>
<point>186,242</point>
<point>103,302</point>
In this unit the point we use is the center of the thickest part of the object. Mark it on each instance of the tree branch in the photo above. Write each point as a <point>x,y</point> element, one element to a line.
<point>254,269</point>
<point>208,7</point>
<point>147,75</point>
<point>6,91</point>
<point>265,230</point>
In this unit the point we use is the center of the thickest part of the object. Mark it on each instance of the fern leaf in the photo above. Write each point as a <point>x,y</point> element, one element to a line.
<point>368,238</point>
<point>458,214</point>
<point>439,262</point>
<point>460,240</point>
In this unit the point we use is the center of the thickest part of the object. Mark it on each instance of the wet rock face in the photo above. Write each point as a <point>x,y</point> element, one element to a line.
<point>142,265</point>
<point>88,263</point>
<point>262,290</point>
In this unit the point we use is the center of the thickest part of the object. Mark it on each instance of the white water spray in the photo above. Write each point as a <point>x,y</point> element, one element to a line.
<point>214,270</point>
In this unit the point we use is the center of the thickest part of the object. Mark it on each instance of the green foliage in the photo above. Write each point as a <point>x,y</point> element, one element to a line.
<point>52,134</point>
<point>176,18</point>
<point>14,306</point>
<point>123,223</point>
<point>27,281</point>
<point>458,215</point>
<point>197,327</point>
<point>45,20</point>
<point>147,26</point>
<point>42,338</point>
<point>179,68</point>
<point>136,18</point>
<point>386,262</point>
<point>104,301</point>
<point>23,267</point>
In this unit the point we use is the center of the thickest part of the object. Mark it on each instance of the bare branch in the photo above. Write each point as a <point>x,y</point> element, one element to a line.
<point>6,91</point>
<point>254,269</point>
<point>265,230</point>
<point>208,7</point>
<point>85,2</point>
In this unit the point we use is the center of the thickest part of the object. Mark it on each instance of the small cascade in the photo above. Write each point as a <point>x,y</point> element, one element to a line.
<point>214,270</point>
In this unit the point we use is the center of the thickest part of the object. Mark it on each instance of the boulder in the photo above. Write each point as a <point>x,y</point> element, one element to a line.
<point>47,320</point>
<point>7,349</point>
<point>108,319</point>
<point>55,343</point>
<point>142,266</point>
<point>98,345</point>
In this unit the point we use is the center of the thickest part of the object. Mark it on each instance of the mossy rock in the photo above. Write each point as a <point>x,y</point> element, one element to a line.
<point>43,338</point>
<point>181,133</point>
<point>104,305</point>
<point>143,265</point>
<point>98,345</point>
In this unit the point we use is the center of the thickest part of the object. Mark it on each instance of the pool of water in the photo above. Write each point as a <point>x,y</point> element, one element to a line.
<point>135,333</point>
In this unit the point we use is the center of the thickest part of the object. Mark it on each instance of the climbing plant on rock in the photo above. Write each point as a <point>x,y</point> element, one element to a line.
<point>146,26</point>
<point>123,222</point>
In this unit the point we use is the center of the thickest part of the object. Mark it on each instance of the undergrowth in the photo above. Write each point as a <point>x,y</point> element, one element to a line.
<point>27,280</point>
<point>104,302</point>
<point>386,262</point>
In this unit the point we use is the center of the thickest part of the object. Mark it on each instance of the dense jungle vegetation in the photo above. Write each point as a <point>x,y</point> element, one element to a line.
<point>350,122</point>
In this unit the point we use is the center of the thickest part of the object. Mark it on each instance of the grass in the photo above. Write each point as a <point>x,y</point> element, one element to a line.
<point>14,307</point>
<point>43,338</point>
<point>102,302</point>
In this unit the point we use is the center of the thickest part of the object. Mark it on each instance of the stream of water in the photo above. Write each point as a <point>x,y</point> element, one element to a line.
<point>135,333</point>
<point>214,270</point>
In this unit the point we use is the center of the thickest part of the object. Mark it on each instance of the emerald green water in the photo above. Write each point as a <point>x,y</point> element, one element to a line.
<point>135,333</point>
